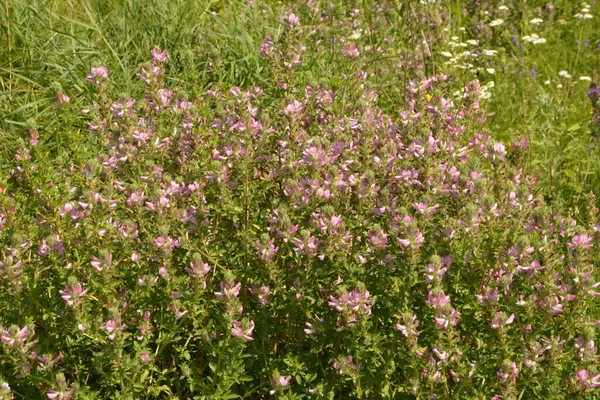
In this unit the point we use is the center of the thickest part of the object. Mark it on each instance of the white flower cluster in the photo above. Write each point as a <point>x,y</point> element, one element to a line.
<point>565,74</point>
<point>357,34</point>
<point>484,94</point>
<point>485,90</point>
<point>454,42</point>
<point>465,55</point>
<point>534,38</point>
<point>584,13</point>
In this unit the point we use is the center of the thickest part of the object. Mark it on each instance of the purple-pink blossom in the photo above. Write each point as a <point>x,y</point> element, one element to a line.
<point>243,331</point>
<point>97,74</point>
<point>159,56</point>
<point>228,291</point>
<point>73,294</point>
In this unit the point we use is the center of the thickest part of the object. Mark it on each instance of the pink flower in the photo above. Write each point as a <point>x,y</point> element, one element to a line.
<point>500,320</point>
<point>283,381</point>
<point>14,335</point>
<point>198,269</point>
<point>293,108</point>
<point>238,331</point>
<point>410,326</point>
<point>72,294</point>
<point>263,294</point>
<point>159,56</point>
<point>581,241</point>
<point>111,328</point>
<point>101,264</point>
<point>62,394</point>
<point>165,96</point>
<point>583,378</point>
<point>63,98</point>
<point>438,300</point>
<point>280,383</point>
<point>96,73</point>
<point>228,292</point>
<point>291,20</point>
<point>508,371</point>
<point>350,50</point>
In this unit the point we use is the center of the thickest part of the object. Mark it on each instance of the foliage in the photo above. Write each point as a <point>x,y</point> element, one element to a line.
<point>305,203</point>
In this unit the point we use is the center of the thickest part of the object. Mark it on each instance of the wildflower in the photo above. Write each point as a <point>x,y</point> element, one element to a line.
<point>148,75</point>
<point>490,296</point>
<point>111,328</point>
<point>500,320</point>
<point>497,22</point>
<point>198,269</point>
<point>438,300</point>
<point>410,326</point>
<point>263,293</point>
<point>228,292</point>
<point>350,50</point>
<point>61,390</point>
<point>564,74</point>
<point>503,8</point>
<point>344,365</point>
<point>583,378</point>
<point>72,294</point>
<point>354,302</point>
<point>491,71</point>
<point>177,311</point>
<point>291,20</point>
<point>294,61</point>
<point>490,53</point>
<point>585,78</point>
<point>294,107</point>
<point>508,371</point>
<point>280,383</point>
<point>101,264</point>
<point>53,394</point>
<point>536,21</point>
<point>5,391</point>
<point>552,303</point>
<point>581,241</point>
<point>63,98</point>
<point>534,38</point>
<point>96,73</point>
<point>14,335</point>
<point>238,331</point>
<point>165,96</point>
<point>356,35</point>
<point>145,356</point>
<point>159,56</point>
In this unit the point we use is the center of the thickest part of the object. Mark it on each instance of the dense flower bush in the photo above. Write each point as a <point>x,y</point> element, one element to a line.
<point>303,244</point>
